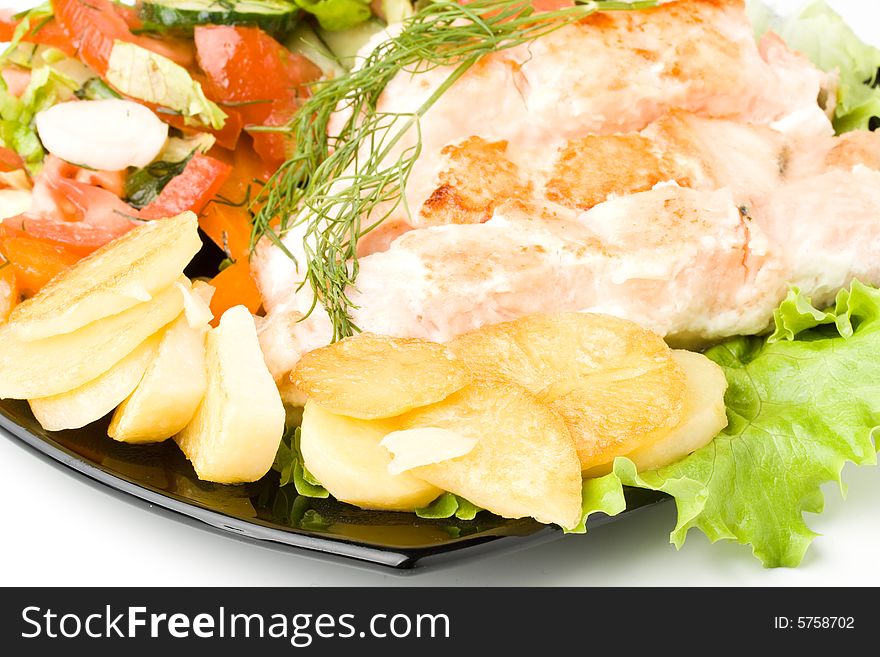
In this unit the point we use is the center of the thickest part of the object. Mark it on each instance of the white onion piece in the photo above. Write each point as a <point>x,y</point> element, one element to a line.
<point>14,202</point>
<point>412,448</point>
<point>108,135</point>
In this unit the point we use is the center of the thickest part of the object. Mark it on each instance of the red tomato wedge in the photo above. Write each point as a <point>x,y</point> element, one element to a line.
<point>229,55</point>
<point>9,293</point>
<point>234,287</point>
<point>191,190</point>
<point>75,208</point>
<point>275,147</point>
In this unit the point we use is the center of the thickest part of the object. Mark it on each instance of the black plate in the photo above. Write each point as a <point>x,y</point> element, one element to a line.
<point>277,517</point>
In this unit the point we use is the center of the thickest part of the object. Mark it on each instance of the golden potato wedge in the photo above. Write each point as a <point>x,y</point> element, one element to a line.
<point>375,376</point>
<point>524,463</point>
<point>614,383</point>
<point>236,430</point>
<point>127,272</point>
<point>344,454</point>
<point>705,414</point>
<point>170,391</point>
<point>44,368</point>
<point>92,401</point>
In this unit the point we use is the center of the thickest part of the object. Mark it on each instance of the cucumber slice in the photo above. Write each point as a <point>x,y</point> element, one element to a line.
<point>346,44</point>
<point>304,41</point>
<point>273,16</point>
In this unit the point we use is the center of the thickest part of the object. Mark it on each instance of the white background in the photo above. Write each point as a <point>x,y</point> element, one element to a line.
<point>58,530</point>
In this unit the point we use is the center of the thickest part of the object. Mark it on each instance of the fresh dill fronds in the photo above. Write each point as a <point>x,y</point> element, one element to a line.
<point>337,187</point>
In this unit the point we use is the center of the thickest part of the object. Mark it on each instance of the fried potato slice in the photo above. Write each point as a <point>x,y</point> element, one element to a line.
<point>95,399</point>
<point>705,414</point>
<point>614,383</point>
<point>344,454</point>
<point>170,391</point>
<point>236,430</point>
<point>375,376</point>
<point>124,273</point>
<point>524,463</point>
<point>175,381</point>
<point>44,368</point>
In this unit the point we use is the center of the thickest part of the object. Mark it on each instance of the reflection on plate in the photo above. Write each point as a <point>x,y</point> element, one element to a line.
<point>277,517</point>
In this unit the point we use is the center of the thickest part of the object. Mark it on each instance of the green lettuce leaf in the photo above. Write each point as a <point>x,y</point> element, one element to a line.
<point>289,463</point>
<point>600,495</point>
<point>337,15</point>
<point>17,126</point>
<point>447,506</point>
<point>799,408</point>
<point>144,75</point>
<point>820,33</point>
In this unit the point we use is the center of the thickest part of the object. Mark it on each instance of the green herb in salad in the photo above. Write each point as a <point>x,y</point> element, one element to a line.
<point>143,186</point>
<point>800,404</point>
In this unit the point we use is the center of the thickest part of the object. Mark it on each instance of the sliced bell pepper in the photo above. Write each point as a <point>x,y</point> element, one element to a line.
<point>10,160</point>
<point>228,226</point>
<point>46,33</point>
<point>227,219</point>
<point>92,26</point>
<point>35,262</point>
<point>235,286</point>
<point>9,294</point>
<point>191,190</point>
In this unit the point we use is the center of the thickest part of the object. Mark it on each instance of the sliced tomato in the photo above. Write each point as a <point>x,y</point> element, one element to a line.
<point>275,147</point>
<point>69,207</point>
<point>229,55</point>
<point>9,292</point>
<point>93,26</point>
<point>235,287</point>
<point>35,262</point>
<point>191,190</point>
<point>178,50</point>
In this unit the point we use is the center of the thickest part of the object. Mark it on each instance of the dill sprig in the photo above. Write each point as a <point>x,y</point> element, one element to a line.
<point>336,188</point>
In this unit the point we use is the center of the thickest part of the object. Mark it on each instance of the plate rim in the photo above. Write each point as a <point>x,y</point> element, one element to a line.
<point>256,531</point>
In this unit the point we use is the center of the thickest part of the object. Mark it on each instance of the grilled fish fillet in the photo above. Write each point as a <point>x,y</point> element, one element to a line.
<point>658,166</point>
